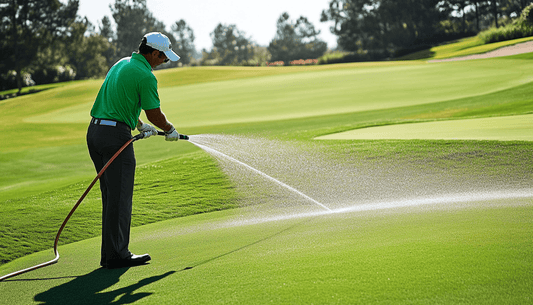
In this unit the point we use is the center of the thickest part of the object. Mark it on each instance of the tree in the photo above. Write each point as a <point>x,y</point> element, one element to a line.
<point>27,27</point>
<point>382,26</point>
<point>406,23</point>
<point>486,13</point>
<point>78,56</point>
<point>475,5</point>
<point>473,14</point>
<point>86,52</point>
<point>106,31</point>
<point>184,46</point>
<point>495,11</point>
<point>230,46</point>
<point>461,7</point>
<point>295,40</point>
<point>356,24</point>
<point>133,20</point>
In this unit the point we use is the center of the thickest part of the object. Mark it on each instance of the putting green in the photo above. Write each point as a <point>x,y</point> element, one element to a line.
<point>510,128</point>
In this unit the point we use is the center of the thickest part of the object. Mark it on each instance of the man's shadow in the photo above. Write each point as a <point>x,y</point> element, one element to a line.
<point>86,289</point>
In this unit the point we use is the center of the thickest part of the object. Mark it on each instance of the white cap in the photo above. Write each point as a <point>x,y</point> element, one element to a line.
<point>161,43</point>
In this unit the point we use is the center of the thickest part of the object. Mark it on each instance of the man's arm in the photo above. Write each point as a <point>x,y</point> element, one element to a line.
<point>158,118</point>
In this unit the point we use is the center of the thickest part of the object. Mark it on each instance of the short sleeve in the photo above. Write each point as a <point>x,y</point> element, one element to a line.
<point>149,96</point>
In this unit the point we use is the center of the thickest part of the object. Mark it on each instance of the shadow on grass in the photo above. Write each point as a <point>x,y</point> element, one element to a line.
<point>16,94</point>
<point>86,289</point>
<point>424,54</point>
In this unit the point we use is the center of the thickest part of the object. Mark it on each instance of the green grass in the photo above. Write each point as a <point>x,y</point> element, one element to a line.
<point>53,122</point>
<point>476,254</point>
<point>512,128</point>
<point>462,47</point>
<point>465,253</point>
<point>345,90</point>
<point>192,185</point>
<point>32,89</point>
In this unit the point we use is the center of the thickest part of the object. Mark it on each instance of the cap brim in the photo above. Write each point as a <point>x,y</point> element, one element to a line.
<point>171,55</point>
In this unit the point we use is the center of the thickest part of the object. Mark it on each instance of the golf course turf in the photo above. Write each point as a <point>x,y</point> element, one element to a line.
<point>209,247</point>
<point>517,128</point>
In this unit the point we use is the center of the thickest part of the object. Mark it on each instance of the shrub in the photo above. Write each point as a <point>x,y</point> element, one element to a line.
<point>523,27</point>
<point>508,32</point>
<point>331,58</point>
<point>345,57</point>
<point>301,62</point>
<point>48,75</point>
<point>8,80</point>
<point>278,63</point>
<point>527,16</point>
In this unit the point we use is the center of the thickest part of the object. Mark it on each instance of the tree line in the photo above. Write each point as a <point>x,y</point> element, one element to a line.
<point>387,28</point>
<point>44,41</point>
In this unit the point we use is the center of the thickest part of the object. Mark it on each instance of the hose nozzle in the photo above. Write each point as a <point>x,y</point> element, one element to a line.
<point>182,136</point>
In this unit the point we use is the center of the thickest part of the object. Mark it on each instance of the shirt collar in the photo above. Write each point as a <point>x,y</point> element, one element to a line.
<point>139,57</point>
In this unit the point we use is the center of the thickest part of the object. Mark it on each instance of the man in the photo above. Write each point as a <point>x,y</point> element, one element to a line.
<point>128,87</point>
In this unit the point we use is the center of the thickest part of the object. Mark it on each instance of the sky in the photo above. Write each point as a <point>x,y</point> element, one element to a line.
<point>257,19</point>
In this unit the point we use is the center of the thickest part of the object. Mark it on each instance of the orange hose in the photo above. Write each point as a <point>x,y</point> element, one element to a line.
<point>72,212</point>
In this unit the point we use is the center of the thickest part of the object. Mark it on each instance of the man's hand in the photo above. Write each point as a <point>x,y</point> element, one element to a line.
<point>172,135</point>
<point>147,127</point>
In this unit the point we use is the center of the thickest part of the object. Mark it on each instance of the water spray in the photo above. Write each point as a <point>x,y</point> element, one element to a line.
<point>215,152</point>
<point>347,183</point>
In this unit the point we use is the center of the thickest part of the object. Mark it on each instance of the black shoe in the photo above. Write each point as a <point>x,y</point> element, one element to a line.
<point>133,260</point>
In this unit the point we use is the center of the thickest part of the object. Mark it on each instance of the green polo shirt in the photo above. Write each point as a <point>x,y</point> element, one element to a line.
<point>128,87</point>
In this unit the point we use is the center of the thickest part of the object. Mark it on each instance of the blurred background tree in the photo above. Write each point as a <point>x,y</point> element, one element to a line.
<point>44,41</point>
<point>133,20</point>
<point>295,40</point>
<point>230,47</point>
<point>184,46</point>
<point>382,28</point>
<point>29,26</point>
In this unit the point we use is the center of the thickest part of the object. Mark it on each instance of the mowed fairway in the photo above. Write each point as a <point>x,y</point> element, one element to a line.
<point>54,122</point>
<point>476,251</point>
<point>314,92</point>
<point>471,253</point>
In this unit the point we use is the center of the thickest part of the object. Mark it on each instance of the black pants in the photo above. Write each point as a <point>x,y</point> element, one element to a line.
<point>116,185</point>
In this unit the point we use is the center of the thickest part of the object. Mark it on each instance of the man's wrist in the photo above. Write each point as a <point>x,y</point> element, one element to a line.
<point>168,126</point>
<point>171,130</point>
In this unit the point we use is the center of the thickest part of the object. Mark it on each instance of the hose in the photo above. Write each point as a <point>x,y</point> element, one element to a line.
<point>135,138</point>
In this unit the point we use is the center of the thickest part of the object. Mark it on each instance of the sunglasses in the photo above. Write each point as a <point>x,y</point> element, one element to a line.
<point>161,54</point>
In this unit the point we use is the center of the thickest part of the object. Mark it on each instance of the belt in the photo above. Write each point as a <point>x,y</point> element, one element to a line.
<point>108,122</point>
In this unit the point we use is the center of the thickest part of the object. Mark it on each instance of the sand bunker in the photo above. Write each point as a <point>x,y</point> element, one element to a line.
<point>516,49</point>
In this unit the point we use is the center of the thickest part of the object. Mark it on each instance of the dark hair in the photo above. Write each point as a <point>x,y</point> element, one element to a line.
<point>144,49</point>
